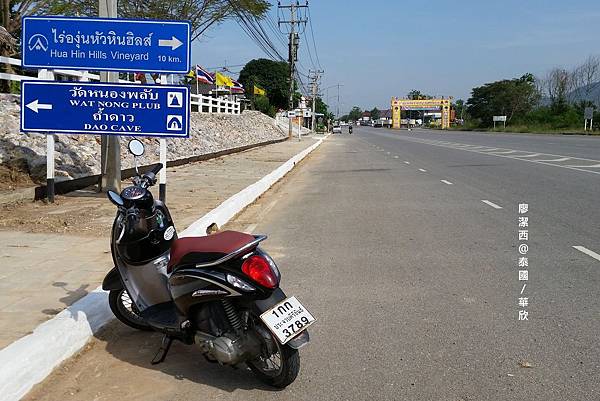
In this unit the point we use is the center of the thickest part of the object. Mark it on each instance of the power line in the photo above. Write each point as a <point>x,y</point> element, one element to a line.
<point>312,33</point>
<point>253,28</point>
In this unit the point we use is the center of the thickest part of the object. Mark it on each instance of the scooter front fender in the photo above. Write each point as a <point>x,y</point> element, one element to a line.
<point>112,281</point>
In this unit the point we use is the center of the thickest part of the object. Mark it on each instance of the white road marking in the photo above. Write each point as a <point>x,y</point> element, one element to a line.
<point>523,289</point>
<point>526,157</point>
<point>562,159</point>
<point>406,162</point>
<point>396,157</point>
<point>506,152</point>
<point>590,166</point>
<point>446,182</point>
<point>388,153</point>
<point>531,155</point>
<point>422,170</point>
<point>492,204</point>
<point>587,252</point>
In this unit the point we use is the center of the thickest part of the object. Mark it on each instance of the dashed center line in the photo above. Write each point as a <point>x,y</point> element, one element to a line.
<point>446,182</point>
<point>587,252</point>
<point>406,162</point>
<point>492,204</point>
<point>422,170</point>
<point>532,155</point>
<point>562,159</point>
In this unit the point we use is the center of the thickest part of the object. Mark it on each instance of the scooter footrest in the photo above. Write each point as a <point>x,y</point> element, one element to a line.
<point>163,316</point>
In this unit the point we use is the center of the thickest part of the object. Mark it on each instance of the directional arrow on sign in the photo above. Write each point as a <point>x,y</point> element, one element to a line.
<point>35,106</point>
<point>173,43</point>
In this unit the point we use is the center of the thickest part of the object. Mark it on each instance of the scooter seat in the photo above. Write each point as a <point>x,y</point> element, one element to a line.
<point>193,250</point>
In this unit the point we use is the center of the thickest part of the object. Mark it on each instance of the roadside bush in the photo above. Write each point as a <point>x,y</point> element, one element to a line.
<point>262,104</point>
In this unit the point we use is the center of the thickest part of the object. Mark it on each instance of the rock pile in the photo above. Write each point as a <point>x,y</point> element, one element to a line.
<point>79,155</point>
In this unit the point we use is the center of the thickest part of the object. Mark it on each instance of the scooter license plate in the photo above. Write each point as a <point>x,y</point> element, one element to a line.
<point>287,319</point>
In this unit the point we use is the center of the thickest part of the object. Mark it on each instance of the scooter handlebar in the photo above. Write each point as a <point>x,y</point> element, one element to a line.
<point>157,167</point>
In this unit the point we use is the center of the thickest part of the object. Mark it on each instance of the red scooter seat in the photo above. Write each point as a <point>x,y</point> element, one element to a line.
<point>191,250</point>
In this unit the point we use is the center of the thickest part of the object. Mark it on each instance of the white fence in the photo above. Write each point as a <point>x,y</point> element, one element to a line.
<point>199,103</point>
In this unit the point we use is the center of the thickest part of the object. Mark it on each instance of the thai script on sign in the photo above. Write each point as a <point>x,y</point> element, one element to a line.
<point>145,94</point>
<point>98,116</point>
<point>99,38</point>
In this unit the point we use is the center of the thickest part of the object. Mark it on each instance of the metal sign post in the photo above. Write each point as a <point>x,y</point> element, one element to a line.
<point>162,185</point>
<point>45,74</point>
<point>588,114</point>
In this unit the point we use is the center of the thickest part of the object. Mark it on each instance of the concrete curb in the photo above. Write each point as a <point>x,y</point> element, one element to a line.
<point>32,358</point>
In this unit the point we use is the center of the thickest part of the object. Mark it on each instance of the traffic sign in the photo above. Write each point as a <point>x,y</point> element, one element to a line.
<point>106,44</point>
<point>106,109</point>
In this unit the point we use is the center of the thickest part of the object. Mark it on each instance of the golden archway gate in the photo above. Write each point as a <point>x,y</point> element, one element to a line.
<point>420,104</point>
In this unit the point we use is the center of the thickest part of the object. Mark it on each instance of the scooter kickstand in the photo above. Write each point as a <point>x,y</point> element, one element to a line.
<point>163,350</point>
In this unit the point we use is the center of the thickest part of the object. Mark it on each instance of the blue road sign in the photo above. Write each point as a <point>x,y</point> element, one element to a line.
<point>105,109</point>
<point>106,44</point>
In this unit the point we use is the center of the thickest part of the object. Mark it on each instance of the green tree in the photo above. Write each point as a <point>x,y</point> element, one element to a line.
<point>355,114</point>
<point>321,107</point>
<point>202,14</point>
<point>375,113</point>
<point>261,103</point>
<point>459,107</point>
<point>510,97</point>
<point>272,76</point>
<point>417,95</point>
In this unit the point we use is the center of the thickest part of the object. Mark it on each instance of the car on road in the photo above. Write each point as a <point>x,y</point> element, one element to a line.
<point>337,129</point>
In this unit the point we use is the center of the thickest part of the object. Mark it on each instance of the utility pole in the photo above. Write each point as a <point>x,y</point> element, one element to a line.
<point>294,41</point>
<point>110,150</point>
<point>338,101</point>
<point>315,76</point>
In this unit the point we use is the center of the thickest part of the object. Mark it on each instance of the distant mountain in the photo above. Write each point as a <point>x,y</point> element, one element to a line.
<point>589,92</point>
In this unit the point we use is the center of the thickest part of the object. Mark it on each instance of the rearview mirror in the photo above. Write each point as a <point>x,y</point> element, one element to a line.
<point>136,147</point>
<point>115,198</point>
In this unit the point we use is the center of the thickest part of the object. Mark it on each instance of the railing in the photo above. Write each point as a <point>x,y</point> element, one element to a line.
<point>199,103</point>
<point>209,104</point>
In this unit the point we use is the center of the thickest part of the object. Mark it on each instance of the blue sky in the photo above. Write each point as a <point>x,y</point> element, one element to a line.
<point>379,49</point>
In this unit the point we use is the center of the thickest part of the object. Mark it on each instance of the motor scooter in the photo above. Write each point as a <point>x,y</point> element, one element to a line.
<point>220,293</point>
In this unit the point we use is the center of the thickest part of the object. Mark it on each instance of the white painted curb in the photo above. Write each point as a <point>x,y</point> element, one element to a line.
<point>30,359</point>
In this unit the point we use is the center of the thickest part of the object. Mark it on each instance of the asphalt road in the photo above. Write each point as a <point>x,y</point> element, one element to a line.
<point>385,237</point>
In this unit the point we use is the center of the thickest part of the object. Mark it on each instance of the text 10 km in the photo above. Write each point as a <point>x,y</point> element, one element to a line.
<point>170,59</point>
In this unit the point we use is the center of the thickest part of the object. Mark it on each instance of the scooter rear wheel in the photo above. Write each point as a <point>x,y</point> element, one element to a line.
<point>278,365</point>
<point>125,310</point>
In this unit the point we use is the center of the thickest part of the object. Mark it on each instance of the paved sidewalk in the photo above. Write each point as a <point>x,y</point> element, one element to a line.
<point>54,255</point>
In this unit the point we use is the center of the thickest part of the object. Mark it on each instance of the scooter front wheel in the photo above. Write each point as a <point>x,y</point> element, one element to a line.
<point>125,310</point>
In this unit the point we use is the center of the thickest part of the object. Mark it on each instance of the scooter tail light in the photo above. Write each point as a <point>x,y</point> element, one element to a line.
<point>259,270</point>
